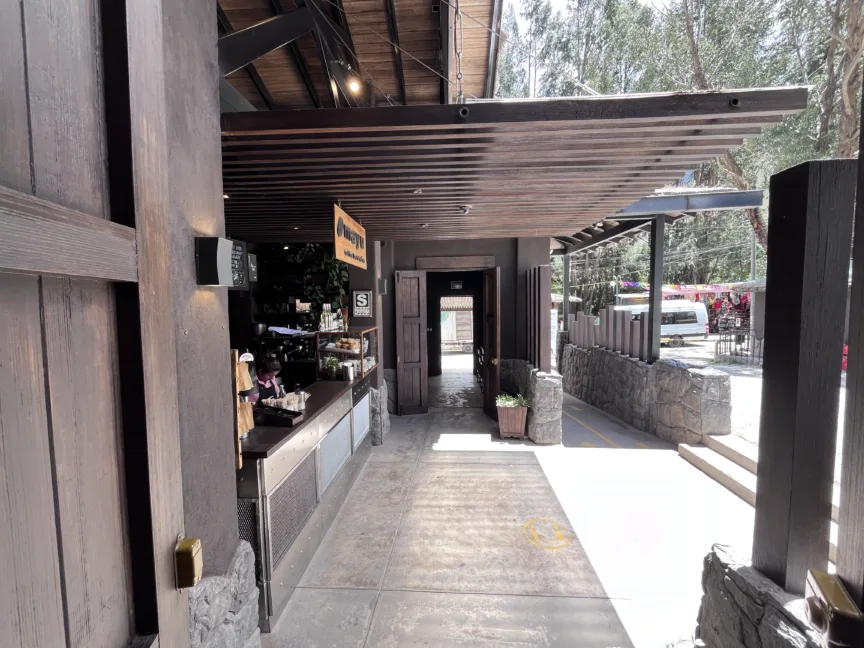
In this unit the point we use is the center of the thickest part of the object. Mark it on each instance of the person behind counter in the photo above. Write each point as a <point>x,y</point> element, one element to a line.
<point>267,368</point>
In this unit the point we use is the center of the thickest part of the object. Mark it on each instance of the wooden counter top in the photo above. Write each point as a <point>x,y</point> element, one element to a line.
<point>263,441</point>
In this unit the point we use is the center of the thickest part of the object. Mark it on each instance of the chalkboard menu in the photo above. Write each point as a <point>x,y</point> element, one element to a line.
<point>238,265</point>
<point>221,262</point>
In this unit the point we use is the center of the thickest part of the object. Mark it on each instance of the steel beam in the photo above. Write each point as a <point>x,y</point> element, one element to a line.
<point>494,44</point>
<point>446,45</point>
<point>690,202</point>
<point>239,48</point>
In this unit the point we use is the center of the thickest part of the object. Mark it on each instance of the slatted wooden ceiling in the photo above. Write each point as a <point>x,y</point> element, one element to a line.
<point>526,168</point>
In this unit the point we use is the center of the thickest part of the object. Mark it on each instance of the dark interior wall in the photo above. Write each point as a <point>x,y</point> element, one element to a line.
<point>201,314</point>
<point>438,286</point>
<point>513,256</point>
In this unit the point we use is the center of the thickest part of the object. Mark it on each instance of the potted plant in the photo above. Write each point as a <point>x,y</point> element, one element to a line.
<point>512,414</point>
<point>332,366</point>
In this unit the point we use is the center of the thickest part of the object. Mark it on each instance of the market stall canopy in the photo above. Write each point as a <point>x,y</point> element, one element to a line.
<point>507,168</point>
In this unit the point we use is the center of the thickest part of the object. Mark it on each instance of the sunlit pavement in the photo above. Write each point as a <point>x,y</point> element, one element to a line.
<point>453,537</point>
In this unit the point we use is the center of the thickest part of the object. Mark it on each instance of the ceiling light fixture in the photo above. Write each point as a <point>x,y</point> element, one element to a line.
<point>226,196</point>
<point>465,209</point>
<point>296,228</point>
<point>284,247</point>
<point>424,224</point>
<point>417,192</point>
<point>354,86</point>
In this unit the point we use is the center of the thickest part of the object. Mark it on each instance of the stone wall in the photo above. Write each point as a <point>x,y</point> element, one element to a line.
<point>223,610</point>
<point>380,420</point>
<point>741,608</point>
<point>545,393</point>
<point>390,381</point>
<point>669,399</point>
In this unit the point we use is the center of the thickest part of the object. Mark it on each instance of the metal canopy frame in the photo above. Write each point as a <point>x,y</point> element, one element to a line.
<point>636,218</point>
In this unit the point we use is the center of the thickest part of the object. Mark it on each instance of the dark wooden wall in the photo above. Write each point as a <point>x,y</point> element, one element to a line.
<point>514,256</point>
<point>64,551</point>
<point>201,314</point>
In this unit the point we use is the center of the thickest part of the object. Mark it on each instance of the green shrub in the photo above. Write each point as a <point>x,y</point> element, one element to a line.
<point>506,400</point>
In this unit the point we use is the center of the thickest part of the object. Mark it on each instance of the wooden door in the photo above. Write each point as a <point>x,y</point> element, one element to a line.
<point>412,359</point>
<point>491,339</point>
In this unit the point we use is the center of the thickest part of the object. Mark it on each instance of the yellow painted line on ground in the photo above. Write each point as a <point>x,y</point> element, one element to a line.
<point>574,408</point>
<point>641,445</point>
<point>590,429</point>
<point>588,444</point>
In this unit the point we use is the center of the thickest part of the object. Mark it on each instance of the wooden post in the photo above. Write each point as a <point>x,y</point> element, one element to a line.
<point>655,277</point>
<point>544,313</point>
<point>572,323</point>
<point>643,339</point>
<point>635,338</point>
<point>610,327</point>
<point>601,333</point>
<point>850,542</point>
<point>811,213</point>
<point>625,332</point>
<point>591,341</point>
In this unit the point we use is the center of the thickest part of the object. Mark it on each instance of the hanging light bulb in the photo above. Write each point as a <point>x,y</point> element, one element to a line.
<point>354,86</point>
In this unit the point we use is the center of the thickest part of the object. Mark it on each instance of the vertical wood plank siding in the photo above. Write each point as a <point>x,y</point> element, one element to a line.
<point>60,350</point>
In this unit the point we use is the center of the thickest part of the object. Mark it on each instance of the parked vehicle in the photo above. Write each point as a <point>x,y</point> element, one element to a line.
<point>680,319</point>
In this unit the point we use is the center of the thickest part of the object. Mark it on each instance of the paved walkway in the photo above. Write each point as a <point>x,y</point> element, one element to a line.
<point>452,537</point>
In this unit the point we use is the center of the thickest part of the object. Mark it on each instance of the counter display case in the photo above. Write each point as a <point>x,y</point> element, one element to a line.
<point>360,347</point>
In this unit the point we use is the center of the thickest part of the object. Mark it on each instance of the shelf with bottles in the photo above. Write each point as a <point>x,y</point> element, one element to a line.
<point>359,347</point>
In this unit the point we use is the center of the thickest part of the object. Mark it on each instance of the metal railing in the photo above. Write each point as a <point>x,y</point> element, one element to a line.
<point>739,346</point>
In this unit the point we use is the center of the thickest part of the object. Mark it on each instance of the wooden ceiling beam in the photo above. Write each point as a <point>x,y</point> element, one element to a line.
<point>251,70</point>
<point>622,109</point>
<point>238,49</point>
<point>397,50</point>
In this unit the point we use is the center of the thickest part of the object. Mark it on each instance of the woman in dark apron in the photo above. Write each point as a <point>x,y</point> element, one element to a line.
<point>267,369</point>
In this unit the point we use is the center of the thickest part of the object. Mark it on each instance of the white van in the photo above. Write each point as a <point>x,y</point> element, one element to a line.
<point>680,319</point>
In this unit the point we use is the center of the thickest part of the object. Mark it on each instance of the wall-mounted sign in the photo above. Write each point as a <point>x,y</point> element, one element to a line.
<point>455,285</point>
<point>221,262</point>
<point>253,266</point>
<point>350,238</point>
<point>362,303</point>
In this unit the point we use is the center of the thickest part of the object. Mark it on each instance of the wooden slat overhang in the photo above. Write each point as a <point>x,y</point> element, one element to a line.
<point>484,170</point>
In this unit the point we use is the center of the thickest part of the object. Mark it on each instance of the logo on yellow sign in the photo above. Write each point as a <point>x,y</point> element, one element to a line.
<point>547,534</point>
<point>349,238</point>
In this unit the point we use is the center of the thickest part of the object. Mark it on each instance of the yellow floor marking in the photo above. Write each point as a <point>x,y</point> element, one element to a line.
<point>590,429</point>
<point>574,408</point>
<point>547,534</point>
<point>588,444</point>
<point>641,445</point>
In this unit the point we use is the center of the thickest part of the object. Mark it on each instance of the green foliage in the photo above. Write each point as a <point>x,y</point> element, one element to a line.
<point>317,259</point>
<point>506,400</point>
<point>630,46</point>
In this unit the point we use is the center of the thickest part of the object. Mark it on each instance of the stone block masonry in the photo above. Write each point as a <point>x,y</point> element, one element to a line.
<point>545,393</point>
<point>223,610</point>
<point>669,399</point>
<point>741,608</point>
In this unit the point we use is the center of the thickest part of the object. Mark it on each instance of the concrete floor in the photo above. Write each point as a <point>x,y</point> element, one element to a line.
<point>453,537</point>
<point>456,386</point>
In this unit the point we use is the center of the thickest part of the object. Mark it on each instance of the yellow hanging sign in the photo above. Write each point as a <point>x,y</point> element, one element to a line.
<point>350,238</point>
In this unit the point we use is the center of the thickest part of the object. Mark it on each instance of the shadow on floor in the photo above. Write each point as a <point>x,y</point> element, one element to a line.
<point>453,537</point>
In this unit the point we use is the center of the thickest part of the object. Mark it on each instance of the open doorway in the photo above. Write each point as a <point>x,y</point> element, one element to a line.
<point>455,335</point>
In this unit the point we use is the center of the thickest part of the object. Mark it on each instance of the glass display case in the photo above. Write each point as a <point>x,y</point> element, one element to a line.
<point>357,347</point>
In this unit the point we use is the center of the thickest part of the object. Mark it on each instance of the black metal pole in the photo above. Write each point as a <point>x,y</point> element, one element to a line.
<point>565,291</point>
<point>655,278</point>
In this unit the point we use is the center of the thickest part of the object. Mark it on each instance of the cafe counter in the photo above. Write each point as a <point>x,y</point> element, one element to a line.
<point>294,480</point>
